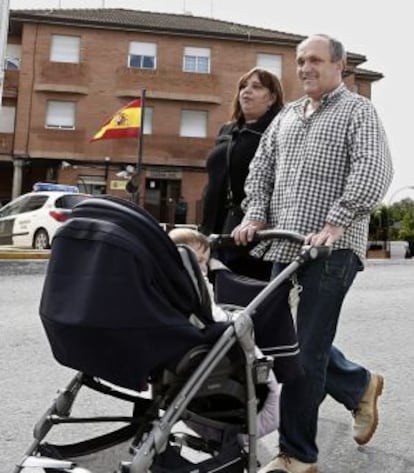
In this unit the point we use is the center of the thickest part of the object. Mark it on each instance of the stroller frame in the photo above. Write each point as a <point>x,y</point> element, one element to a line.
<point>154,442</point>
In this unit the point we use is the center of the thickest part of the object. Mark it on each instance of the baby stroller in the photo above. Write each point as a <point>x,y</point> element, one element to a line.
<point>128,311</point>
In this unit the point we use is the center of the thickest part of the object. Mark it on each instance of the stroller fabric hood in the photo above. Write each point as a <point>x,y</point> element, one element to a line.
<point>117,299</point>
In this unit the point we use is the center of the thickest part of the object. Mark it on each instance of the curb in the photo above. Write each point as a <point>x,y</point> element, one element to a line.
<point>9,253</point>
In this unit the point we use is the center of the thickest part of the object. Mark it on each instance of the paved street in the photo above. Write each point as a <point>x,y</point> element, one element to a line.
<point>377,328</point>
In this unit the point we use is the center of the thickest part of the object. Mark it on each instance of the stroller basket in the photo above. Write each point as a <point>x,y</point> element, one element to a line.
<point>116,306</point>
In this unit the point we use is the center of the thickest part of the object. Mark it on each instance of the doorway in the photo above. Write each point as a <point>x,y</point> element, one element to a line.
<point>161,197</point>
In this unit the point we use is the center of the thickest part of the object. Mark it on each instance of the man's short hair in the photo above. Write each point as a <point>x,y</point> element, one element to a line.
<point>336,48</point>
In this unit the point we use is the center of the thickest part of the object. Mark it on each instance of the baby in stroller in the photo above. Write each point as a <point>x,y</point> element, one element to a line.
<point>268,415</point>
<point>200,244</point>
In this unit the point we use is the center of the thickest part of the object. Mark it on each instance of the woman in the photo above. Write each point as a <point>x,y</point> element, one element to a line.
<point>258,99</point>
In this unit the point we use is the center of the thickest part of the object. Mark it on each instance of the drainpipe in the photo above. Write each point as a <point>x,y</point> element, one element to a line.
<point>4,28</point>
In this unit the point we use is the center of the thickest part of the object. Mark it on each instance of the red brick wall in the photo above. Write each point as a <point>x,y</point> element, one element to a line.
<point>102,83</point>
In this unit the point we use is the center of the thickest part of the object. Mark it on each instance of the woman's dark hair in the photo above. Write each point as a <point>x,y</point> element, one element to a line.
<point>268,80</point>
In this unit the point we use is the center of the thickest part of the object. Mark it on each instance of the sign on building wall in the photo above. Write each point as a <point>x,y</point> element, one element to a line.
<point>117,185</point>
<point>164,174</point>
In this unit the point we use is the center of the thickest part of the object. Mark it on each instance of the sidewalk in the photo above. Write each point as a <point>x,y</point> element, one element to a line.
<point>14,252</point>
<point>376,328</point>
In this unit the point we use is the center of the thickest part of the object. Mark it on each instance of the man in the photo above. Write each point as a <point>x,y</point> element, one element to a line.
<point>321,168</point>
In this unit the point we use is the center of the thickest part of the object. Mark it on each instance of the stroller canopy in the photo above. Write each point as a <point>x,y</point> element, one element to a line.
<point>117,298</point>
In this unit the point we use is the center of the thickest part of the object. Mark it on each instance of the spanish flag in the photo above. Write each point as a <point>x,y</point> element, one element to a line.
<point>126,123</point>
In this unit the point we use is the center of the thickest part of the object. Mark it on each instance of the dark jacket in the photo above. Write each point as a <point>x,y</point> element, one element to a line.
<point>244,142</point>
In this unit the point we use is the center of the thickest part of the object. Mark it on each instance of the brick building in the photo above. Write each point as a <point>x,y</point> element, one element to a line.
<point>67,71</point>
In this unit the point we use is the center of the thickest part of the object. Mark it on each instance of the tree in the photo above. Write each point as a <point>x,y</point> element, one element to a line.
<point>379,225</point>
<point>403,215</point>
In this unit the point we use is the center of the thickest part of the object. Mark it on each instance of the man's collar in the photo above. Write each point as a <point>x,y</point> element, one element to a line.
<point>302,103</point>
<point>333,93</point>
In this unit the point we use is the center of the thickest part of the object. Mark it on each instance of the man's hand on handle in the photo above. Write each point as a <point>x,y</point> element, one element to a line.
<point>244,233</point>
<point>325,237</point>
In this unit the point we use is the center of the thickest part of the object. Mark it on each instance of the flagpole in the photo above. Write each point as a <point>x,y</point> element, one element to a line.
<point>138,168</point>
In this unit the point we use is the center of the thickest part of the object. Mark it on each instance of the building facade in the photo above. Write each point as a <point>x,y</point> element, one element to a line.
<point>67,71</point>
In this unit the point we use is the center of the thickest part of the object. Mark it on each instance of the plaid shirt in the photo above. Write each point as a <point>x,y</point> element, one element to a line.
<point>332,167</point>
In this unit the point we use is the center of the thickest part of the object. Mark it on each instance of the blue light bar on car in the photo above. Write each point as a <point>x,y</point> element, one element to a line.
<point>50,187</point>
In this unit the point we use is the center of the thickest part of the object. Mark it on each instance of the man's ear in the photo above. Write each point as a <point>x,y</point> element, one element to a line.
<point>341,66</point>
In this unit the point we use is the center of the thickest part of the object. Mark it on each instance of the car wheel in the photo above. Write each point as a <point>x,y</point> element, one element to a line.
<point>41,240</point>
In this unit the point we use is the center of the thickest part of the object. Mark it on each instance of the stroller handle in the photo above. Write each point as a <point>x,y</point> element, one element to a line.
<point>221,241</point>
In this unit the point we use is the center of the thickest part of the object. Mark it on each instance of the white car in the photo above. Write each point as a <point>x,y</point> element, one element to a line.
<point>31,220</point>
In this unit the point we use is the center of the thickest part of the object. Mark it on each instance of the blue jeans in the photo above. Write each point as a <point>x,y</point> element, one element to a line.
<point>327,371</point>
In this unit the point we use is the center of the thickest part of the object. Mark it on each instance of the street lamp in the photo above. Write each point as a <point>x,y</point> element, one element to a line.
<point>81,180</point>
<point>107,162</point>
<point>398,191</point>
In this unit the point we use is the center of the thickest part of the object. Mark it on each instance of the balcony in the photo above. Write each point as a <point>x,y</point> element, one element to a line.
<point>11,83</point>
<point>180,85</point>
<point>176,151</point>
<point>157,150</point>
<point>6,143</point>
<point>57,143</point>
<point>63,77</point>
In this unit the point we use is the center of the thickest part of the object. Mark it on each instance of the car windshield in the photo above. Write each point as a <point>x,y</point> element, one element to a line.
<point>68,201</point>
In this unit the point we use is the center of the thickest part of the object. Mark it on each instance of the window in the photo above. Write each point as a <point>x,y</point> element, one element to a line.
<point>148,120</point>
<point>142,55</point>
<point>193,124</point>
<point>15,207</point>
<point>34,203</point>
<point>7,115</point>
<point>196,60</point>
<point>95,185</point>
<point>13,56</point>
<point>69,201</point>
<point>271,62</point>
<point>65,49</point>
<point>60,115</point>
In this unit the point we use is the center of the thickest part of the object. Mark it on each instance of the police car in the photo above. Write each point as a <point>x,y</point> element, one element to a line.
<point>32,219</point>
